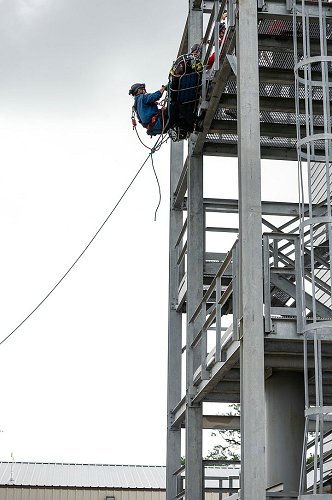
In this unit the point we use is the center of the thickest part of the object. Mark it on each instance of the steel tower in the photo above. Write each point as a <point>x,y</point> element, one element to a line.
<point>267,97</point>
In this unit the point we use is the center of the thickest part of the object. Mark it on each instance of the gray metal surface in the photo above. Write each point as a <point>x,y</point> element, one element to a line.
<point>82,475</point>
<point>173,460</point>
<point>195,270</point>
<point>253,478</point>
<point>285,426</point>
<point>194,453</point>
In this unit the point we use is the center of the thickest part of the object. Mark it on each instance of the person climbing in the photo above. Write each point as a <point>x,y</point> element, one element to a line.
<point>222,31</point>
<point>184,92</point>
<point>188,62</point>
<point>149,115</point>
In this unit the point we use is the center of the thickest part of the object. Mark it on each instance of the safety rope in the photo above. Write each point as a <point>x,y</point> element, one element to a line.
<point>162,139</point>
<point>84,250</point>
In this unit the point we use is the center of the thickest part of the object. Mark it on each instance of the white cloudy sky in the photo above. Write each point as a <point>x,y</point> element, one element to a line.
<point>84,379</point>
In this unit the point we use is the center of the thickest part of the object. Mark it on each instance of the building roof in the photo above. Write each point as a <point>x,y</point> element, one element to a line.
<point>62,475</point>
<point>83,475</point>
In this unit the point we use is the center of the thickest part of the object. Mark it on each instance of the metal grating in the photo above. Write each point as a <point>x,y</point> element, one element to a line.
<point>270,117</point>
<point>278,60</point>
<point>222,138</point>
<point>274,142</point>
<point>284,28</point>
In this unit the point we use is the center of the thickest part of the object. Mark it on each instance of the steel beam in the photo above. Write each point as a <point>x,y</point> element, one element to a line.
<point>251,277</point>
<point>267,152</point>
<point>173,459</point>
<point>285,45</point>
<point>195,272</point>
<point>221,422</point>
<point>277,9</point>
<point>266,129</point>
<point>218,86</point>
<point>181,187</point>
<point>273,104</point>
<point>183,48</point>
<point>279,76</point>
<point>195,269</point>
<point>231,206</point>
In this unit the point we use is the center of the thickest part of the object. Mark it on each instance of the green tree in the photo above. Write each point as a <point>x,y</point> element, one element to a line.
<point>230,446</point>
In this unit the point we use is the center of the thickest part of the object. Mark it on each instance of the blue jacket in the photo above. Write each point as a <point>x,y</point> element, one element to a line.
<point>146,106</point>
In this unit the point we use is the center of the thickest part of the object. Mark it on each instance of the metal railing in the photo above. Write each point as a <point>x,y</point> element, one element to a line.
<point>207,316</point>
<point>181,256</point>
<point>279,270</point>
<point>211,41</point>
<point>216,480</point>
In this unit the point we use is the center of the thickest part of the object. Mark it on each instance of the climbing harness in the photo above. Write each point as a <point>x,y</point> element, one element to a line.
<point>149,126</point>
<point>183,97</point>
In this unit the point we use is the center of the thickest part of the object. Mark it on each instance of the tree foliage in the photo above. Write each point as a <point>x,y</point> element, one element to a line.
<point>229,447</point>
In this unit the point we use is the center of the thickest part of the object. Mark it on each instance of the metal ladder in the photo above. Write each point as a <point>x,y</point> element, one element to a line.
<point>312,24</point>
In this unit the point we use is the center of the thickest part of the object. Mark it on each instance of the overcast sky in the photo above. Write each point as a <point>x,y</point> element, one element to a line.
<point>84,379</point>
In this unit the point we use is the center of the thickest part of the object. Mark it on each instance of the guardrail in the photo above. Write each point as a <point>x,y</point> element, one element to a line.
<point>216,480</point>
<point>181,256</point>
<point>207,316</point>
<point>277,263</point>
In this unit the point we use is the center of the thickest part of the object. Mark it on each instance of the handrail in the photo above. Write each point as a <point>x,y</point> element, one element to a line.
<point>294,268</point>
<point>216,19</point>
<point>210,290</point>
<point>206,317</point>
<point>287,261</point>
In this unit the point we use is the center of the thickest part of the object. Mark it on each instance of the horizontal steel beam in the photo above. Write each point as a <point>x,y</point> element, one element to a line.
<point>221,422</point>
<point>267,129</point>
<point>293,362</point>
<point>277,44</point>
<point>277,9</point>
<point>279,104</point>
<point>214,397</point>
<point>232,422</point>
<point>267,153</point>
<point>279,76</point>
<point>231,206</point>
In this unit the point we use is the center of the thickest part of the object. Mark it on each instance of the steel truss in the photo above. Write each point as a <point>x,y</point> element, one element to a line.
<point>248,307</point>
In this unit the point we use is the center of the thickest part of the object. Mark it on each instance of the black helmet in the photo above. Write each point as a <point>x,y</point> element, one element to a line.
<point>134,88</point>
<point>195,48</point>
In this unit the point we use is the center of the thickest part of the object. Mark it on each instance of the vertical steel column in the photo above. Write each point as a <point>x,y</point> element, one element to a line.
<point>253,484</point>
<point>194,472</point>
<point>195,255</point>
<point>173,458</point>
